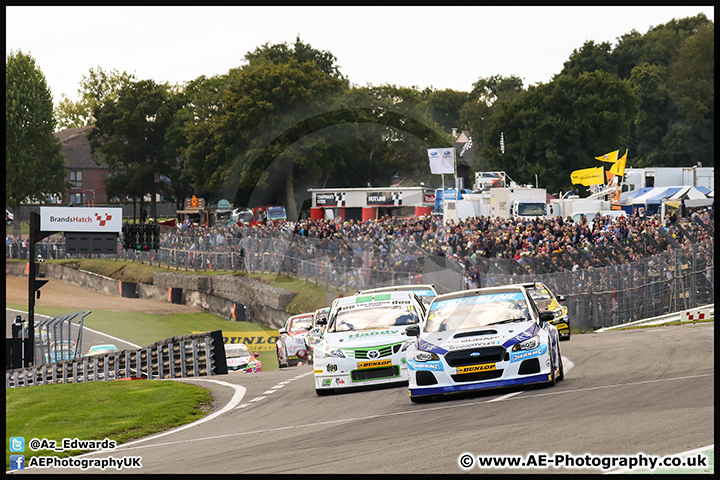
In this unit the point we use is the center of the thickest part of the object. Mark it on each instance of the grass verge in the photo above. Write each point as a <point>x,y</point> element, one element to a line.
<point>144,328</point>
<point>120,411</point>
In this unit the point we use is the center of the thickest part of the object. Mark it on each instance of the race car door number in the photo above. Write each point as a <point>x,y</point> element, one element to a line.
<point>375,363</point>
<point>475,368</point>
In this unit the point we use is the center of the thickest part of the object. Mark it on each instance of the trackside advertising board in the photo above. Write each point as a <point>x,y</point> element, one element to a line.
<point>81,219</point>
<point>255,341</point>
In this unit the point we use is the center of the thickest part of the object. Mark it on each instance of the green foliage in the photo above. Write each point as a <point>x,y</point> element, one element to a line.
<point>96,88</point>
<point>34,164</point>
<point>551,130</point>
<point>589,58</point>
<point>475,114</point>
<point>445,106</point>
<point>651,122</point>
<point>130,133</point>
<point>671,68</point>
<point>288,120</point>
<point>691,136</point>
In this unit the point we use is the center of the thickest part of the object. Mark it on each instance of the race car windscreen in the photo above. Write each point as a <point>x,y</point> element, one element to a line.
<point>301,324</point>
<point>237,352</point>
<point>476,311</point>
<point>352,318</point>
<point>427,296</point>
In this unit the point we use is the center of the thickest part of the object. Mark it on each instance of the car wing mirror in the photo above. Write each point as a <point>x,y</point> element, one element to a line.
<point>546,316</point>
<point>560,298</point>
<point>282,330</point>
<point>412,331</point>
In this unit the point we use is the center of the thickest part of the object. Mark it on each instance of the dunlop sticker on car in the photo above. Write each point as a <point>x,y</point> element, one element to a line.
<point>375,363</point>
<point>476,368</point>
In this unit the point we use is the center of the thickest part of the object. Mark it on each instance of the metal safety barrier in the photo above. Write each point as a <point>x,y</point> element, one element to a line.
<point>196,355</point>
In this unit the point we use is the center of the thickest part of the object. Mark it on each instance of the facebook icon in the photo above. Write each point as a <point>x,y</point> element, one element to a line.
<point>17,462</point>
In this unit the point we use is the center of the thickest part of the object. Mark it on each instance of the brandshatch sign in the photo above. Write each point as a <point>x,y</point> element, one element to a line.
<point>81,219</point>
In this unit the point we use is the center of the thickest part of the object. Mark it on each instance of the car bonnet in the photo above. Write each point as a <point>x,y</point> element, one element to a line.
<point>365,338</point>
<point>505,335</point>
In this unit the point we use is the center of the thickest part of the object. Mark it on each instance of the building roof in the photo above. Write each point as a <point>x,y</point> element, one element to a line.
<point>76,148</point>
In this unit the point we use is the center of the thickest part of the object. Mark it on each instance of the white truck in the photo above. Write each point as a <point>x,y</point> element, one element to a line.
<point>565,207</point>
<point>636,178</point>
<point>519,203</point>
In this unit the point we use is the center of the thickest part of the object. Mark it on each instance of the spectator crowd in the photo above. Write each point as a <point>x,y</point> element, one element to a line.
<point>528,246</point>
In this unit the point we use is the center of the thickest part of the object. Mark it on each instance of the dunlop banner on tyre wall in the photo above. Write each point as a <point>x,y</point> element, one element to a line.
<point>256,341</point>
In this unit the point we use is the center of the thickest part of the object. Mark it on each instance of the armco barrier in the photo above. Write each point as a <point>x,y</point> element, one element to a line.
<point>196,355</point>
<point>688,315</point>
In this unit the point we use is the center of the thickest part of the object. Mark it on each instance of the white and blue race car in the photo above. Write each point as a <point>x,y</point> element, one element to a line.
<point>482,338</point>
<point>364,342</point>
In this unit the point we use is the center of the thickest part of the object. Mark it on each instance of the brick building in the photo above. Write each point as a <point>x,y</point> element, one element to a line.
<point>87,177</point>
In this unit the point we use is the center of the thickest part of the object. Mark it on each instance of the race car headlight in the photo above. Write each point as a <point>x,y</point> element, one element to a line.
<point>406,345</point>
<point>528,344</point>
<point>335,352</point>
<point>422,356</point>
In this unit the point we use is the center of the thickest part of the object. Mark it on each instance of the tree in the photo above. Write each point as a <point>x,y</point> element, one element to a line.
<point>553,129</point>
<point>195,121</point>
<point>657,46</point>
<point>96,87</point>
<point>481,105</point>
<point>651,123</point>
<point>300,52</point>
<point>271,107</point>
<point>691,81</point>
<point>34,163</point>
<point>445,106</point>
<point>130,133</point>
<point>267,106</point>
<point>589,58</point>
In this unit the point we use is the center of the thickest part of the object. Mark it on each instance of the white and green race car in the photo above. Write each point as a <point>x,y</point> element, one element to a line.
<point>365,341</point>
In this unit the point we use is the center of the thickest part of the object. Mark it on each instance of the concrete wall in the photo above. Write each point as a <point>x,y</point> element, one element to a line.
<point>265,303</point>
<point>219,294</point>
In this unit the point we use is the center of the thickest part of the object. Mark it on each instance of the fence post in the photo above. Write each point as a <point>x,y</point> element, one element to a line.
<point>171,359</point>
<point>183,367</point>
<point>148,353</point>
<point>106,370</point>
<point>195,357</point>
<point>208,356</point>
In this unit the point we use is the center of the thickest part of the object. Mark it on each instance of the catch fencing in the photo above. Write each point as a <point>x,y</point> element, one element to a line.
<point>647,274</point>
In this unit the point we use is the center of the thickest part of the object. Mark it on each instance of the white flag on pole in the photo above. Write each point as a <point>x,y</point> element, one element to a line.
<point>442,160</point>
